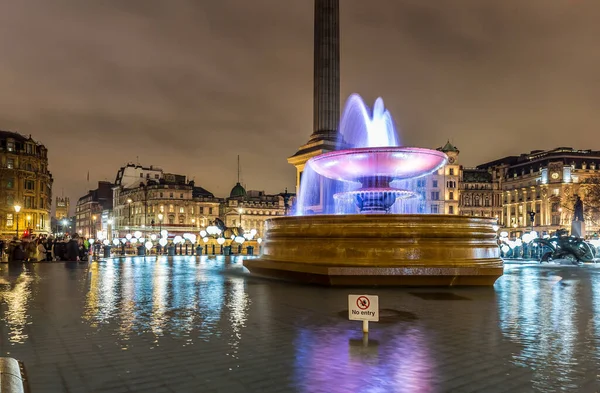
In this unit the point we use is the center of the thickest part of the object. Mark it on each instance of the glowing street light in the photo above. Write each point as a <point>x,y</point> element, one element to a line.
<point>17,210</point>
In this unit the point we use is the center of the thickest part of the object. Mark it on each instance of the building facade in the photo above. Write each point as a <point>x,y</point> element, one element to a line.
<point>544,183</point>
<point>480,194</point>
<point>62,208</point>
<point>26,183</point>
<point>89,209</point>
<point>168,203</point>
<point>249,210</point>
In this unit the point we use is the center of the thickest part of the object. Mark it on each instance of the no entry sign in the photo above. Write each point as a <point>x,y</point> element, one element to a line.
<point>363,308</point>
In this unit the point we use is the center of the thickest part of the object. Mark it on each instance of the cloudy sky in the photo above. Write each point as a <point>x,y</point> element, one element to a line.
<point>189,84</point>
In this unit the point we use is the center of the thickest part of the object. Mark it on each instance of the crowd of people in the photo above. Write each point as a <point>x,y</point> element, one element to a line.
<point>45,249</point>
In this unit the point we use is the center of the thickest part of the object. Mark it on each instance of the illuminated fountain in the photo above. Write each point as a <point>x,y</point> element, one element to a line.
<point>355,217</point>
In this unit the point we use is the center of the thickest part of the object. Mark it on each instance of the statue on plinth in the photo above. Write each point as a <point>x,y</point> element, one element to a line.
<point>578,210</point>
<point>578,224</point>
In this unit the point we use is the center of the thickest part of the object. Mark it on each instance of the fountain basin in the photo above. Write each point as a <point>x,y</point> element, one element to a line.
<point>397,163</point>
<point>374,249</point>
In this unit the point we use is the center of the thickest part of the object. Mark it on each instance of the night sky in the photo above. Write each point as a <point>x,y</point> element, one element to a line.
<point>189,85</point>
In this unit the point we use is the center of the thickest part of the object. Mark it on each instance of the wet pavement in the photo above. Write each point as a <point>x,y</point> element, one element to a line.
<point>191,324</point>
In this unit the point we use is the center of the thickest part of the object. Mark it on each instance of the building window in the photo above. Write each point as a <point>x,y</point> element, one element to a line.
<point>171,195</point>
<point>181,210</point>
<point>451,172</point>
<point>451,209</point>
<point>28,202</point>
<point>181,219</point>
<point>434,209</point>
<point>9,220</point>
<point>555,220</point>
<point>435,184</point>
<point>210,210</point>
<point>156,176</point>
<point>192,210</point>
<point>29,185</point>
<point>451,195</point>
<point>10,146</point>
<point>435,195</point>
<point>421,183</point>
<point>141,175</point>
<point>29,148</point>
<point>10,163</point>
<point>10,183</point>
<point>181,196</point>
<point>171,220</point>
<point>202,210</point>
<point>171,209</point>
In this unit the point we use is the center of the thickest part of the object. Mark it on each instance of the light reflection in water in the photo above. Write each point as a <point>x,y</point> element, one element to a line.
<point>182,298</point>
<point>17,299</point>
<point>396,362</point>
<point>543,313</point>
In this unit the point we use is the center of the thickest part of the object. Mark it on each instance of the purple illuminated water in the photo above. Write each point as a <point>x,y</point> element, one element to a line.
<point>369,172</point>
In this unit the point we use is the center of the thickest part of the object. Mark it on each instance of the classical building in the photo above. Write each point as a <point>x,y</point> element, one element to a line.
<point>326,93</point>
<point>131,175</point>
<point>439,192</point>
<point>26,183</point>
<point>544,183</point>
<point>480,194</point>
<point>89,209</point>
<point>62,208</point>
<point>250,209</point>
<point>168,202</point>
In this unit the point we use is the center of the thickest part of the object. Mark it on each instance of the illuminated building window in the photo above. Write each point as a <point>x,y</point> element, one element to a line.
<point>182,210</point>
<point>9,220</point>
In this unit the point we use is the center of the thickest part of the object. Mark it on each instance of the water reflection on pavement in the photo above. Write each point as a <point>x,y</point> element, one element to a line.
<point>202,324</point>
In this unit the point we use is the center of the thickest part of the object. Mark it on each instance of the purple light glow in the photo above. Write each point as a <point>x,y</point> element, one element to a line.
<point>398,163</point>
<point>360,179</point>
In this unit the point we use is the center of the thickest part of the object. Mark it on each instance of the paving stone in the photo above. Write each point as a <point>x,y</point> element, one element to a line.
<point>181,326</point>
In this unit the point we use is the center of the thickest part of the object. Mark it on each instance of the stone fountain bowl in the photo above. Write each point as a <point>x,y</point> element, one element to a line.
<point>386,162</point>
<point>374,249</point>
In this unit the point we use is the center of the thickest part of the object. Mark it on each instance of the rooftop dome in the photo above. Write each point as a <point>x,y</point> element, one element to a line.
<point>237,191</point>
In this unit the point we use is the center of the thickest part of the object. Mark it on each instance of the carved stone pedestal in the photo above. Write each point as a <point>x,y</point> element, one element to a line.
<point>578,229</point>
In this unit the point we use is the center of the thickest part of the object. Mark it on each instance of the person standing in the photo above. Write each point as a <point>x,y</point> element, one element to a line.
<point>41,251</point>
<point>73,248</point>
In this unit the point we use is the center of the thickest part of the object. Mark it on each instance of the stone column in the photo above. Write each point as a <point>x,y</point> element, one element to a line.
<point>326,111</point>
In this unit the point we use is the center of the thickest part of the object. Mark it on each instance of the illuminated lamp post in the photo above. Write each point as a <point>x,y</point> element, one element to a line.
<point>17,210</point>
<point>28,224</point>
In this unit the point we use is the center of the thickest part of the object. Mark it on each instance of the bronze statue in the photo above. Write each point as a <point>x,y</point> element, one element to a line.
<point>578,210</point>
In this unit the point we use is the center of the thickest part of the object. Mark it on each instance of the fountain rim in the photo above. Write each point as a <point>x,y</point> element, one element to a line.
<point>385,217</point>
<point>314,162</point>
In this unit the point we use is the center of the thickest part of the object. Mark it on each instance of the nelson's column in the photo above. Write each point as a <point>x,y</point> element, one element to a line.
<point>326,111</point>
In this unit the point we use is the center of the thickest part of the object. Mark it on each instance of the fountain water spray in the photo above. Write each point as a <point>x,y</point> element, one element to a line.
<point>370,172</point>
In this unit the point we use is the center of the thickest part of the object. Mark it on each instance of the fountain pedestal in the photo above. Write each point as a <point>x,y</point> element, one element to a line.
<point>407,249</point>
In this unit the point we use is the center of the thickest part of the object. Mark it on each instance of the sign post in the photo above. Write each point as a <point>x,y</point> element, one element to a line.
<point>363,308</point>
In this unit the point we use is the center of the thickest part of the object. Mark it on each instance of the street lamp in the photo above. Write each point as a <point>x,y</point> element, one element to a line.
<point>17,210</point>
<point>64,226</point>
<point>160,218</point>
<point>94,223</point>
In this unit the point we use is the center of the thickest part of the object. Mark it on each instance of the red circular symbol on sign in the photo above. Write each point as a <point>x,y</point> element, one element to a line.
<point>363,302</point>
